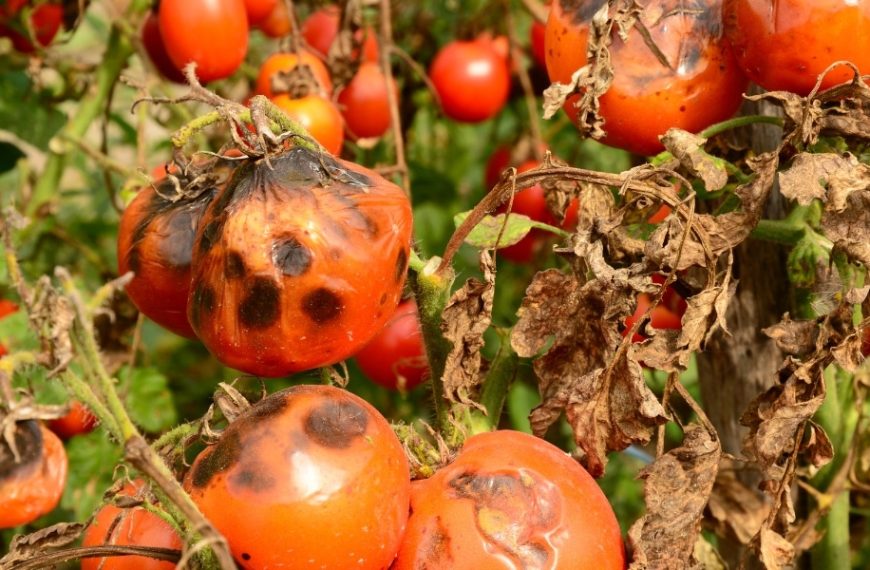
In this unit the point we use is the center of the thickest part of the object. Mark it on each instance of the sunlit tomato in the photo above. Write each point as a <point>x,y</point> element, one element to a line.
<point>32,487</point>
<point>212,33</point>
<point>45,20</point>
<point>318,278</point>
<point>395,357</point>
<point>364,102</point>
<point>510,501</point>
<point>277,24</point>
<point>134,527</point>
<point>153,42</point>
<point>79,420</point>
<point>309,477</point>
<point>284,62</point>
<point>537,35</point>
<point>702,86</point>
<point>320,117</point>
<point>472,80</point>
<point>661,318</point>
<point>259,10</point>
<point>786,44</point>
<point>321,27</point>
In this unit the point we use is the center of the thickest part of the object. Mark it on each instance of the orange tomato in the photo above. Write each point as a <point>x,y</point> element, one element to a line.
<point>284,62</point>
<point>320,117</point>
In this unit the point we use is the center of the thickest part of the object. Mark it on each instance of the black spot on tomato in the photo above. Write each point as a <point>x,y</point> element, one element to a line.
<point>211,234</point>
<point>435,546</point>
<point>682,108</point>
<point>322,305</point>
<point>234,265</point>
<point>291,257</point>
<point>254,478</point>
<point>133,259</point>
<point>261,306</point>
<point>28,440</point>
<point>383,299</point>
<point>246,556</point>
<point>580,11</point>
<point>401,265</point>
<point>267,407</point>
<point>202,303</point>
<point>220,458</point>
<point>335,424</point>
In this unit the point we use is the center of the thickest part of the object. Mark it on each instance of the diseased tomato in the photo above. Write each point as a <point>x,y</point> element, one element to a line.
<point>45,19</point>
<point>129,527</point>
<point>212,33</point>
<point>320,117</point>
<point>79,420</point>
<point>283,62</point>
<point>154,46</point>
<point>472,80</point>
<point>277,24</point>
<point>321,28</point>
<point>309,477</point>
<point>259,10</point>
<point>661,318</point>
<point>318,278</point>
<point>395,357</point>
<point>703,84</point>
<point>364,103</point>
<point>786,44</point>
<point>32,487</point>
<point>510,501</point>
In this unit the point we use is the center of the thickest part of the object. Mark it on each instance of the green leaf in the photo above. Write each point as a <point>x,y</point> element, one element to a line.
<point>149,400</point>
<point>22,113</point>
<point>486,233</point>
<point>92,461</point>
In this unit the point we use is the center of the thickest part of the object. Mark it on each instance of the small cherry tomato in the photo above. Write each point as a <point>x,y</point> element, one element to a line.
<point>661,318</point>
<point>365,107</point>
<point>395,357</point>
<point>320,117</point>
<point>154,46</point>
<point>283,62</point>
<point>510,501</point>
<point>671,300</point>
<point>659,216</point>
<point>321,28</point>
<point>259,10</point>
<point>472,80</point>
<point>316,460</point>
<point>537,35</point>
<point>32,487</point>
<point>79,420</point>
<point>129,527</point>
<point>46,21</point>
<point>211,33</point>
<point>277,24</point>
<point>7,307</point>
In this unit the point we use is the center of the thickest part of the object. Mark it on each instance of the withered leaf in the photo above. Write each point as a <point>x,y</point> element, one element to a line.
<point>818,447</point>
<point>688,148</point>
<point>802,115</point>
<point>774,550</point>
<point>849,226</point>
<point>797,338</point>
<point>734,509</point>
<point>29,546</point>
<point>677,487</point>
<point>825,176</point>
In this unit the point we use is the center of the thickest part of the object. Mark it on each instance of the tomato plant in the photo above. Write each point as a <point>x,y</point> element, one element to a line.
<point>395,358</point>
<point>315,459</point>
<point>510,500</point>
<point>259,10</point>
<point>280,63</point>
<point>277,24</point>
<point>364,103</point>
<point>321,28</point>
<point>660,318</point>
<point>79,420</point>
<point>156,49</point>
<point>318,115</point>
<point>46,21</point>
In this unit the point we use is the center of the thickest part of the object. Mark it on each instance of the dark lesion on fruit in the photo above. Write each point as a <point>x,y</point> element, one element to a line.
<point>202,303</point>
<point>261,307</point>
<point>322,305</point>
<point>234,265</point>
<point>435,547</point>
<point>253,477</point>
<point>580,11</point>
<point>29,443</point>
<point>269,406</point>
<point>222,457</point>
<point>290,256</point>
<point>336,424</point>
<point>401,265</point>
<point>211,234</point>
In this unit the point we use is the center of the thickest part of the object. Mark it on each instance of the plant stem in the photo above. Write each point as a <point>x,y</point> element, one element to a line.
<point>738,122</point>
<point>502,372</point>
<point>779,231</point>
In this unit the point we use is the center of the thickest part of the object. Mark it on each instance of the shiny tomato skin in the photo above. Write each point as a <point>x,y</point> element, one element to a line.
<point>510,501</point>
<point>646,98</point>
<point>156,49</point>
<point>320,117</point>
<point>277,24</point>
<point>79,420</point>
<point>787,44</point>
<point>259,10</point>
<point>395,358</point>
<point>321,28</point>
<point>212,33</point>
<point>135,527</point>
<point>364,104</point>
<point>33,487</point>
<point>46,20</point>
<point>472,80</point>
<point>283,62</point>
<point>310,477</point>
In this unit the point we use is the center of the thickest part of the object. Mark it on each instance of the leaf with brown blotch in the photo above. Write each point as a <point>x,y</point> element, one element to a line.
<point>735,510</point>
<point>464,321</point>
<point>29,546</point>
<point>802,116</point>
<point>828,177</point>
<point>817,446</point>
<point>849,227</point>
<point>775,552</point>
<point>677,487</point>
<point>797,338</point>
<point>688,148</point>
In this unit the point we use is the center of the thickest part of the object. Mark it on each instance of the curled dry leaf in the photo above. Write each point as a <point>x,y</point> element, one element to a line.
<point>688,148</point>
<point>828,177</point>
<point>52,315</point>
<point>735,510</point>
<point>817,446</point>
<point>797,338</point>
<point>677,486</point>
<point>849,227</point>
<point>29,546</point>
<point>775,552</point>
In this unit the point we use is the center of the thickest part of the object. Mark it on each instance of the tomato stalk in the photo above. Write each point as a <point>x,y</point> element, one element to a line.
<point>502,372</point>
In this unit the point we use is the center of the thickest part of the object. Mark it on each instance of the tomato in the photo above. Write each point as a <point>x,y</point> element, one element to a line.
<point>33,487</point>
<point>321,274</point>
<point>212,33</point>
<point>129,527</point>
<point>659,216</point>
<point>7,307</point>
<point>318,115</point>
<point>156,49</point>
<point>703,86</point>
<point>309,477</point>
<point>537,34</point>
<point>671,300</point>
<point>661,318</point>
<point>79,420</point>
<point>277,24</point>
<point>786,44</point>
<point>283,63</point>
<point>259,10</point>
<point>472,80</point>
<point>395,357</point>
<point>321,28</point>
<point>365,107</point>
<point>46,20</point>
<point>513,501</point>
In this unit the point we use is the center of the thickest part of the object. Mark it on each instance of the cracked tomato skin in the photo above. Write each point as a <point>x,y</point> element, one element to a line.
<point>298,263</point>
<point>787,44</point>
<point>510,501</point>
<point>309,477</point>
<point>33,487</point>
<point>703,86</point>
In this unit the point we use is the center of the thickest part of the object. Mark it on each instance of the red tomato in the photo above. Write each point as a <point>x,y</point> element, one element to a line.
<point>309,477</point>
<point>498,162</point>
<point>79,420</point>
<point>510,501</point>
<point>671,300</point>
<point>321,27</point>
<point>284,62</point>
<point>364,102</point>
<point>646,98</point>
<point>537,34</point>
<point>472,80</point>
<point>212,33</point>
<point>134,527</point>
<point>46,20</point>
<point>154,46</point>
<point>659,216</point>
<point>661,318</point>
<point>7,307</point>
<point>259,10</point>
<point>786,44</point>
<point>277,24</point>
<point>320,117</point>
<point>33,487</point>
<point>395,357</point>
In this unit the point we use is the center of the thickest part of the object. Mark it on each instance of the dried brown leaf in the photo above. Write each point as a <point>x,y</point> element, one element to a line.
<point>735,510</point>
<point>29,546</point>
<point>775,552</point>
<point>817,448</point>
<point>827,177</point>
<point>688,148</point>
<point>797,338</point>
<point>846,222</point>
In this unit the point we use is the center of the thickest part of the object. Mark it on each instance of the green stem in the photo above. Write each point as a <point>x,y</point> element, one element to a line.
<point>778,231</point>
<point>738,122</point>
<point>502,372</point>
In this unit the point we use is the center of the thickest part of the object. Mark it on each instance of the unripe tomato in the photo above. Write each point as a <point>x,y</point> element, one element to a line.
<point>33,487</point>
<point>661,318</point>
<point>510,501</point>
<point>309,477</point>
<point>212,33</point>
<point>318,278</point>
<point>318,115</point>
<point>472,80</point>
<point>156,49</point>
<point>365,107</point>
<point>284,62</point>
<point>395,358</point>
<point>134,527</point>
<point>786,44</point>
<point>321,28</point>
<point>79,420</point>
<point>46,20</point>
<point>277,24</point>
<point>259,10</point>
<point>702,86</point>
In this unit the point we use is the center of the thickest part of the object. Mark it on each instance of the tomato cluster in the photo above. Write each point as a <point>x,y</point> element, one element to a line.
<point>45,21</point>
